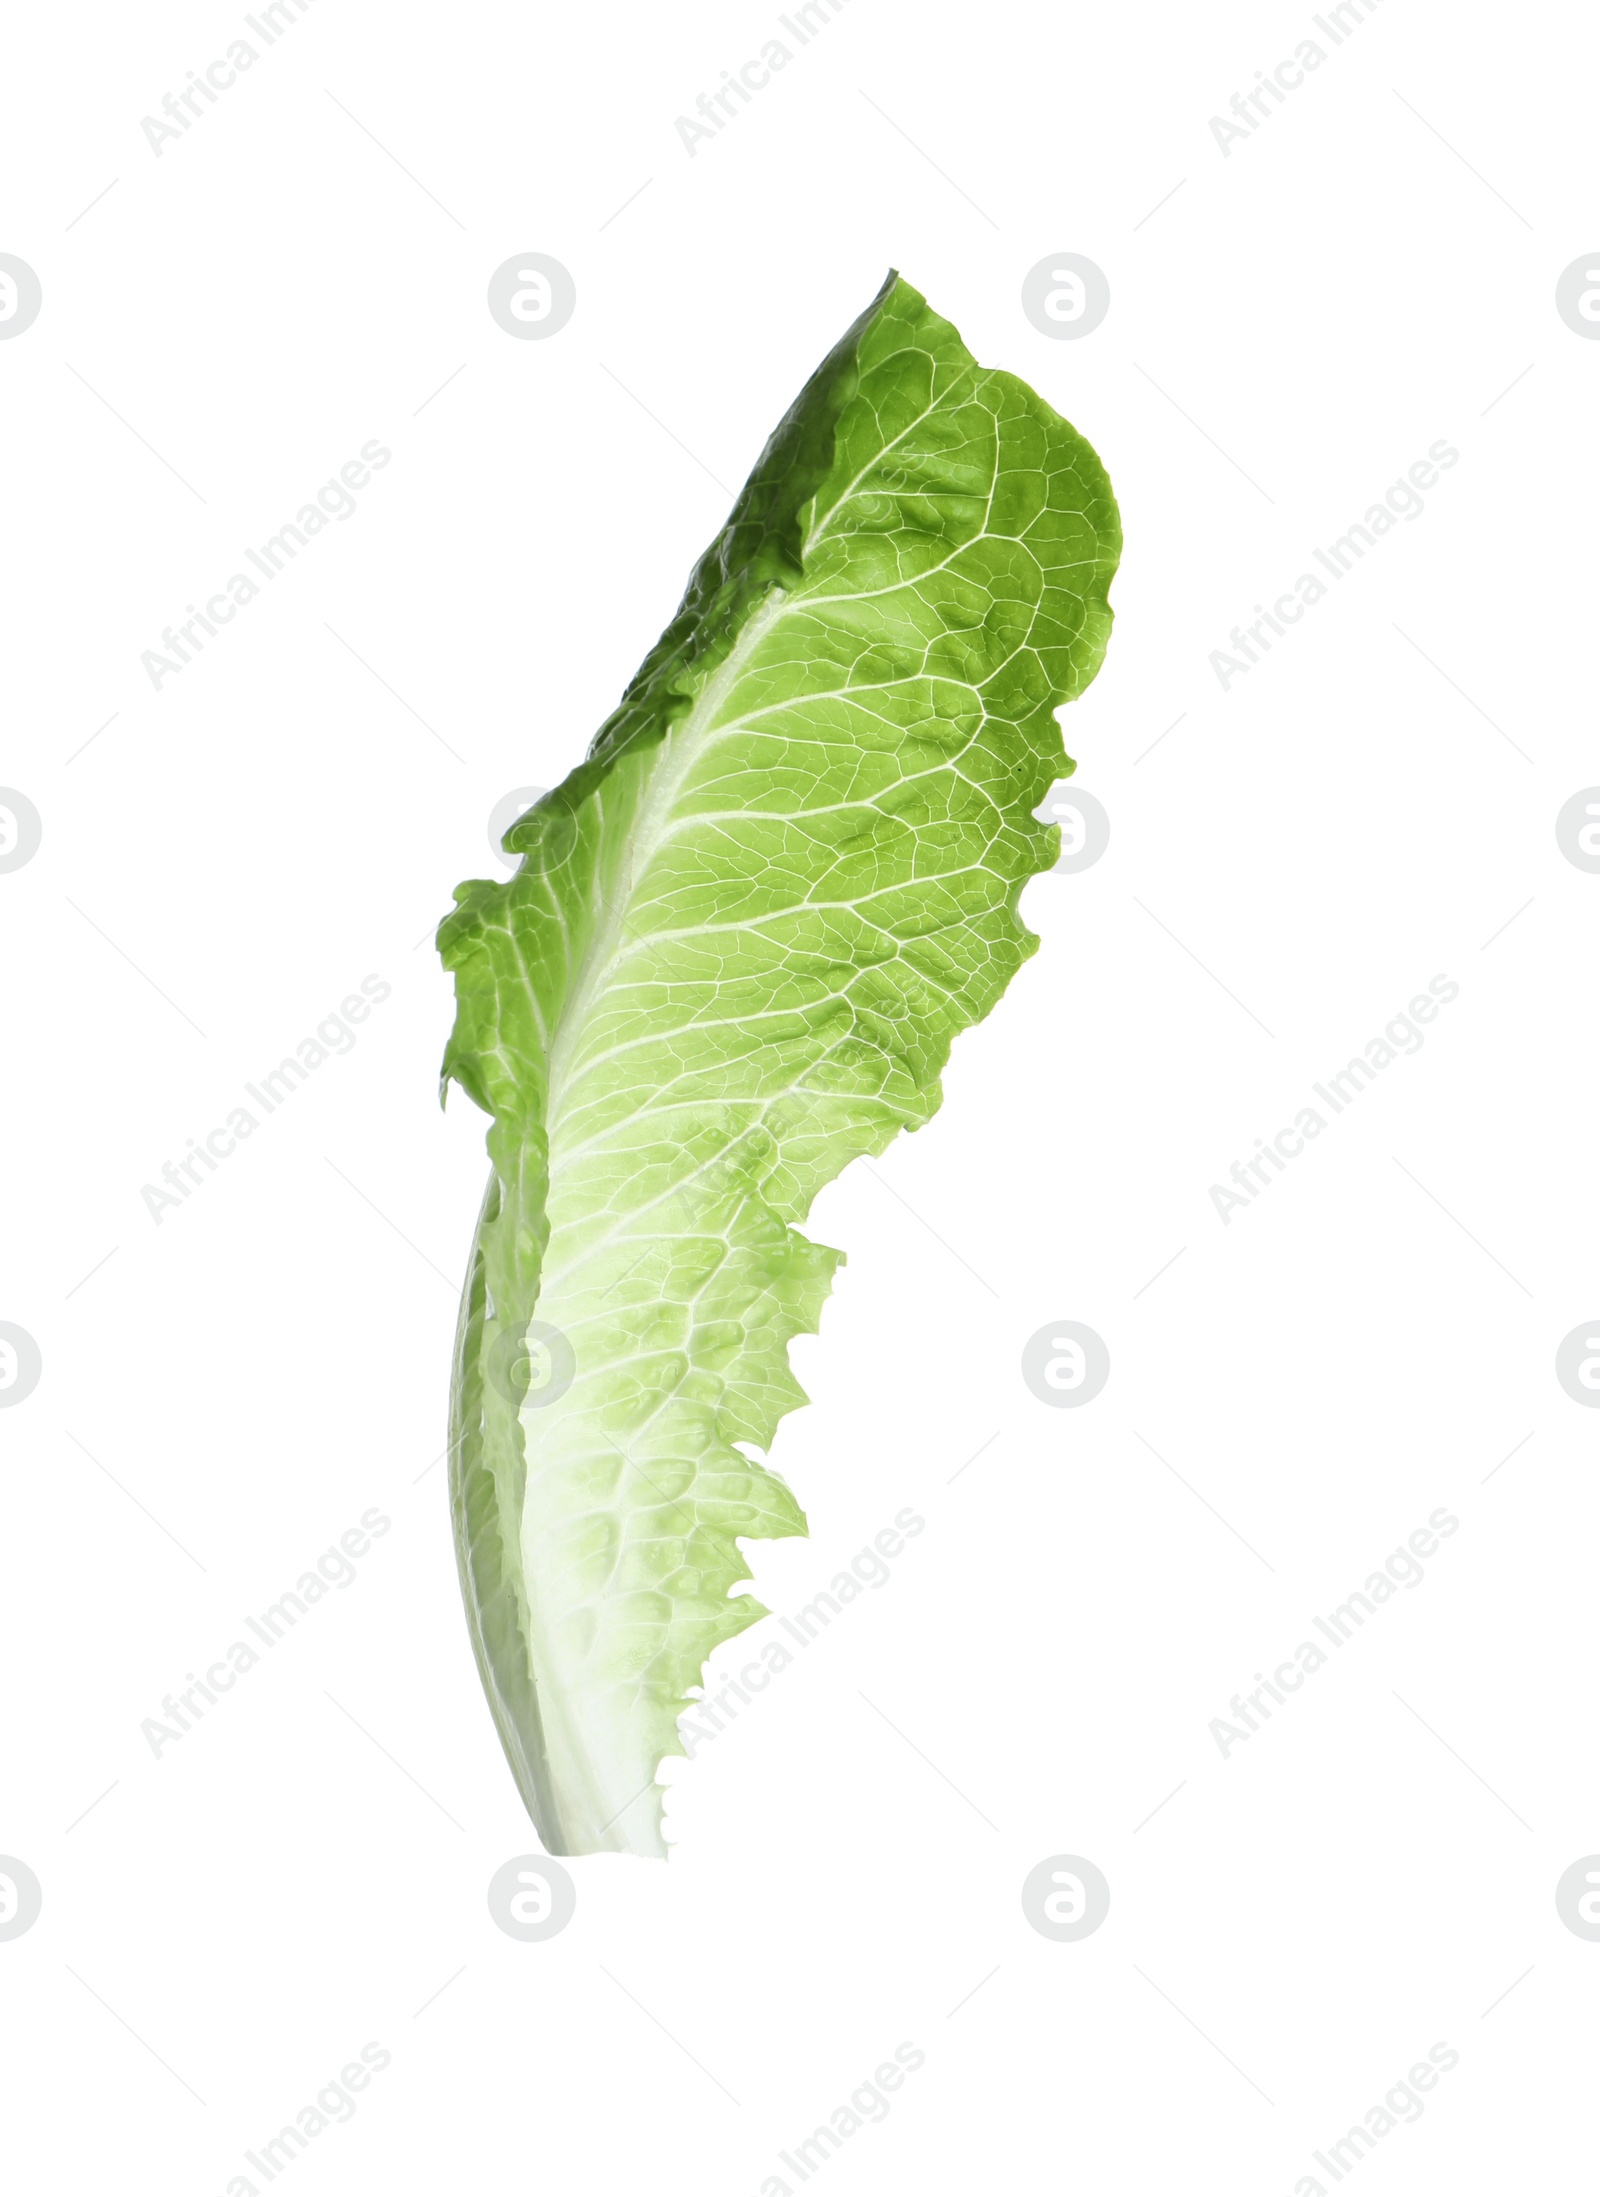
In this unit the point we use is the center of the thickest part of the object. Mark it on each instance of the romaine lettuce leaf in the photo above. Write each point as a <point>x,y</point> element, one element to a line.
<point>741,938</point>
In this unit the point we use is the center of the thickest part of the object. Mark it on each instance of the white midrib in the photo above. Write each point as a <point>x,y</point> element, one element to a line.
<point>584,1789</point>
<point>679,753</point>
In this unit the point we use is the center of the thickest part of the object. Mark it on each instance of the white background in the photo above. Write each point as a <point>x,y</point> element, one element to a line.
<point>1375,1869</point>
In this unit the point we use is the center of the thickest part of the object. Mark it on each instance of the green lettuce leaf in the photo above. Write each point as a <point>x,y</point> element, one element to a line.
<point>740,940</point>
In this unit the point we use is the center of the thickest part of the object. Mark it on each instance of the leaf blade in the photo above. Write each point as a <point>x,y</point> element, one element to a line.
<point>742,938</point>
